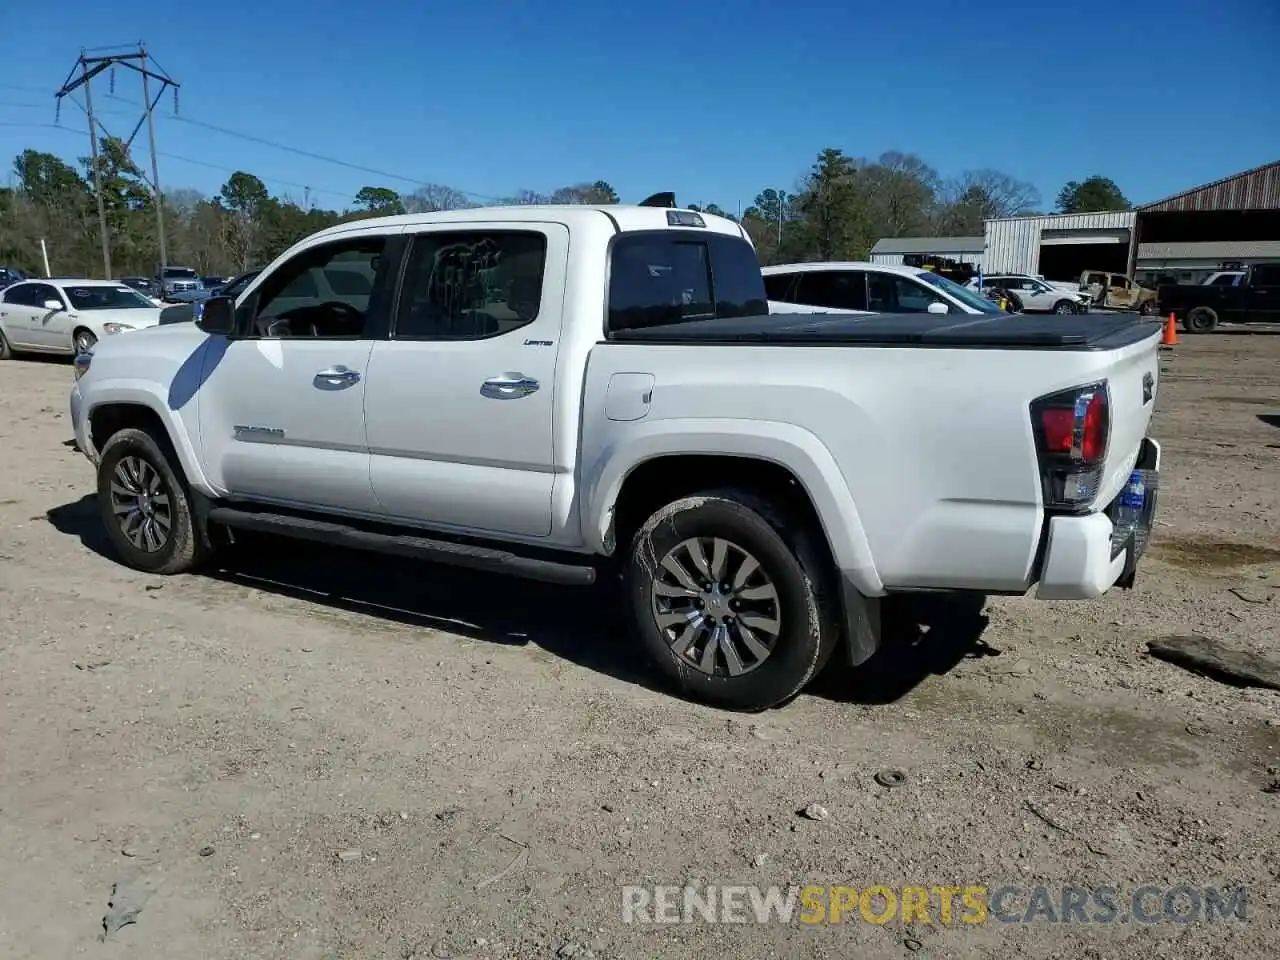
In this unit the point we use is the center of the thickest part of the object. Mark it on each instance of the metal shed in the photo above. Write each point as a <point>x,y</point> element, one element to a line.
<point>891,250</point>
<point>1017,244</point>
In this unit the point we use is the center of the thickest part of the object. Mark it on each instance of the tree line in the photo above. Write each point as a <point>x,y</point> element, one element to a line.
<point>835,211</point>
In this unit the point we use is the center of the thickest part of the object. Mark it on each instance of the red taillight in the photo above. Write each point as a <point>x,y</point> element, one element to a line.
<point>1071,431</point>
<point>1058,425</point>
<point>1093,445</point>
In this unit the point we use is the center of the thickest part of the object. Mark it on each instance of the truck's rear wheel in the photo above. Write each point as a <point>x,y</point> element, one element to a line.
<point>733,612</point>
<point>145,506</point>
<point>1201,320</point>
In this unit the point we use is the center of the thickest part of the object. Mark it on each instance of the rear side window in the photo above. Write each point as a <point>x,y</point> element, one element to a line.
<point>833,289</point>
<point>778,286</point>
<point>665,277</point>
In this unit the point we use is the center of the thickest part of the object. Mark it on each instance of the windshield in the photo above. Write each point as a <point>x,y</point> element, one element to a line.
<point>967,297</point>
<point>180,273</point>
<point>107,298</point>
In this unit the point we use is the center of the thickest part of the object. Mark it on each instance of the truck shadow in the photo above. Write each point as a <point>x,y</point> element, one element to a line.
<point>924,635</point>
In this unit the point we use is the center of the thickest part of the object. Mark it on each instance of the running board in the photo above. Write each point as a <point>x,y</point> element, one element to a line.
<point>405,545</point>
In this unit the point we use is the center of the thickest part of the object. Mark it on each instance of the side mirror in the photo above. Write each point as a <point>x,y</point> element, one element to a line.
<point>54,305</point>
<point>215,315</point>
<point>938,307</point>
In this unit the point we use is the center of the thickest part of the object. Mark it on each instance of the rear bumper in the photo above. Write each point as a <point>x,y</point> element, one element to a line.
<point>1080,560</point>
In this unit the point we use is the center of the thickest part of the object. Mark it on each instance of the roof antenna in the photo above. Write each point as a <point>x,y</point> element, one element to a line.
<point>660,200</point>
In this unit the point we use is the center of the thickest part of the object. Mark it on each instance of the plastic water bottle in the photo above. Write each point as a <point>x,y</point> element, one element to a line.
<point>1129,512</point>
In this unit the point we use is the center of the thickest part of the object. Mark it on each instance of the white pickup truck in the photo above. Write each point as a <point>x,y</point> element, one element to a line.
<point>557,392</point>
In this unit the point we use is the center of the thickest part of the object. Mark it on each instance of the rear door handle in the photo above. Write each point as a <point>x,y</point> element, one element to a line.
<point>338,376</point>
<point>509,386</point>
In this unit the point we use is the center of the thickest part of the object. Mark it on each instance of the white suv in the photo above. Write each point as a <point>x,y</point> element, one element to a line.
<point>860,287</point>
<point>1037,295</point>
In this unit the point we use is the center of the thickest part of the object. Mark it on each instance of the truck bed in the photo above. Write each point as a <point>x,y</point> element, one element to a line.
<point>1087,331</point>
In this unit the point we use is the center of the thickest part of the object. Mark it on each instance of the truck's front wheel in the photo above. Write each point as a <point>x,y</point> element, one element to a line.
<point>145,506</point>
<point>727,605</point>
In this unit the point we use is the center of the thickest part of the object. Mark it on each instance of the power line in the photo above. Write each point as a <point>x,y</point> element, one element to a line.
<point>417,181</point>
<point>345,194</point>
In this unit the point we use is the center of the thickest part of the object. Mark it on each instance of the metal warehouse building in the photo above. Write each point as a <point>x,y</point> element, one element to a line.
<point>1228,223</point>
<point>963,249</point>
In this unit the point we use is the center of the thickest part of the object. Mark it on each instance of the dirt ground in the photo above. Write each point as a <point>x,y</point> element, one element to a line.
<point>313,754</point>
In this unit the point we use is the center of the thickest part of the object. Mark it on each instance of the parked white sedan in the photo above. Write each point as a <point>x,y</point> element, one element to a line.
<point>69,316</point>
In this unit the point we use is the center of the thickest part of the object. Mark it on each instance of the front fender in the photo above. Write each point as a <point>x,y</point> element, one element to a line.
<point>154,397</point>
<point>784,444</point>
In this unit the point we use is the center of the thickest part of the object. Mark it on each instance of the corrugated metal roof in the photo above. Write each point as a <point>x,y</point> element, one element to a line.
<point>1256,189</point>
<point>1221,250</point>
<point>938,245</point>
<point>1112,220</point>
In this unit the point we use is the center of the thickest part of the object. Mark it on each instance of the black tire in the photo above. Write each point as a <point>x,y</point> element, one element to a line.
<point>788,556</point>
<point>5,350</point>
<point>1064,307</point>
<point>1201,320</point>
<point>1148,308</point>
<point>82,340</point>
<point>183,547</point>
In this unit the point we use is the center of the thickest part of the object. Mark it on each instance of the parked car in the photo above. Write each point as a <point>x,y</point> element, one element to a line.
<point>69,316</point>
<point>213,283</point>
<point>1115,291</point>
<point>184,312</point>
<point>629,409</point>
<point>10,275</point>
<point>1035,295</point>
<point>174,281</point>
<point>868,287</point>
<point>1255,299</point>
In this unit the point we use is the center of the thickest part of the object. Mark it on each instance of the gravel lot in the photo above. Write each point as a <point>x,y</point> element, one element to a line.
<point>309,753</point>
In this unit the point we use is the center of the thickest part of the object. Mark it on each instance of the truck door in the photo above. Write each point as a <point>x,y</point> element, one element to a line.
<point>460,407</point>
<point>1262,295</point>
<point>1119,292</point>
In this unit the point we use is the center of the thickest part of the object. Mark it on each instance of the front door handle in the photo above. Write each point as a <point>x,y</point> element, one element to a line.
<point>509,386</point>
<point>338,376</point>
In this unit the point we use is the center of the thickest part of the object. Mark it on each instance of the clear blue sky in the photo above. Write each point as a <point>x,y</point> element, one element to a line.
<point>713,100</point>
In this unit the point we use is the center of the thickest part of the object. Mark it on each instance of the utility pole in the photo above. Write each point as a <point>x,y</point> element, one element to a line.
<point>155,172</point>
<point>97,171</point>
<point>87,68</point>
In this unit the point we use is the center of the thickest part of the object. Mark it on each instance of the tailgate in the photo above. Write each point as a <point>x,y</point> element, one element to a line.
<point>1132,374</point>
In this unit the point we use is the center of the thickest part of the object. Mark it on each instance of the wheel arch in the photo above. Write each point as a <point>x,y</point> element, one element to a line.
<point>667,459</point>
<point>117,408</point>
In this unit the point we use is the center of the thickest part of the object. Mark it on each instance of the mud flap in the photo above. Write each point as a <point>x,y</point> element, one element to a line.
<point>860,623</point>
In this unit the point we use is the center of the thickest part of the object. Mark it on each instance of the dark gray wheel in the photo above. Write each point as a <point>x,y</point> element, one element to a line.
<point>1201,320</point>
<point>718,609</point>
<point>145,506</point>
<point>5,350</point>
<point>1064,306</point>
<point>730,600</point>
<point>1148,308</point>
<point>83,340</point>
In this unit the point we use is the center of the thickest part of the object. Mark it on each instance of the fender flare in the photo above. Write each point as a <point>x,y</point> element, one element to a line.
<point>144,393</point>
<point>785,445</point>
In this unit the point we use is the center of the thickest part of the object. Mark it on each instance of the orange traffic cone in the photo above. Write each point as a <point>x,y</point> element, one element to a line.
<point>1170,337</point>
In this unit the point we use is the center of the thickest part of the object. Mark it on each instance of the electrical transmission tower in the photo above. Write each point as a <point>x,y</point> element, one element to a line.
<point>82,75</point>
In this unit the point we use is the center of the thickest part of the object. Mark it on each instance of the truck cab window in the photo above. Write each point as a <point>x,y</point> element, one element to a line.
<point>655,280</point>
<point>326,291</point>
<point>472,285</point>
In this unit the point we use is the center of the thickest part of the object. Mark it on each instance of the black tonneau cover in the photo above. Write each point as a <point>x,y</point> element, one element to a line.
<point>1087,331</point>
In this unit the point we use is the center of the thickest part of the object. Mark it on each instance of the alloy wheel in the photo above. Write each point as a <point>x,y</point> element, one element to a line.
<point>140,504</point>
<point>716,606</point>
